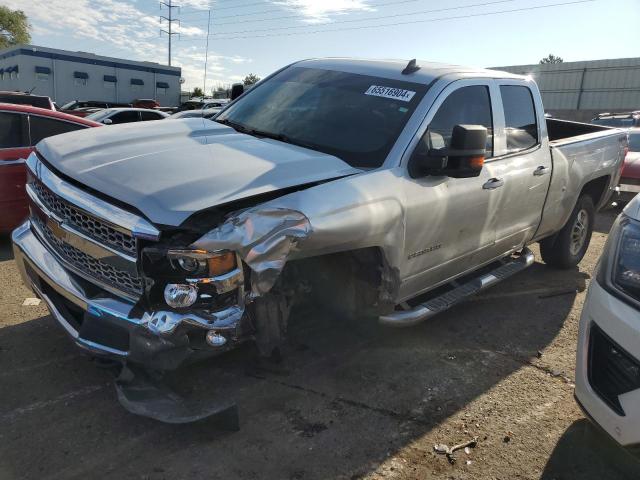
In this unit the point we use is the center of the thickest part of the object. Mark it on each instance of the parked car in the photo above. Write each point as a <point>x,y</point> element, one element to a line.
<point>87,107</point>
<point>198,104</point>
<point>383,189</point>
<point>20,98</point>
<point>630,177</point>
<point>208,113</point>
<point>114,116</point>
<point>22,127</point>
<point>145,103</point>
<point>618,120</point>
<point>608,356</point>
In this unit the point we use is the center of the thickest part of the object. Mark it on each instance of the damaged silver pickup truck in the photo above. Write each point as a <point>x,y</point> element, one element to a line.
<point>382,189</point>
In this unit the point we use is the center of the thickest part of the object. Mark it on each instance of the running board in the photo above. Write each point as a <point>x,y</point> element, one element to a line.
<point>413,316</point>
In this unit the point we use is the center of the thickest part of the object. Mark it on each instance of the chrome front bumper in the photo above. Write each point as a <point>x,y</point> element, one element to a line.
<point>109,325</point>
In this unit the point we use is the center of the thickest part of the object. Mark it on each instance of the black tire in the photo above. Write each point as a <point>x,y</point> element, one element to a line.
<point>566,249</point>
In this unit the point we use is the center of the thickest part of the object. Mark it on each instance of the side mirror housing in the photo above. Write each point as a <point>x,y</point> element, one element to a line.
<point>463,158</point>
<point>107,121</point>
<point>237,89</point>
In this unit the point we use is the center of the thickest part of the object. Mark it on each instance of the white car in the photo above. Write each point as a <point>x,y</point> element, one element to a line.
<point>608,357</point>
<point>114,116</point>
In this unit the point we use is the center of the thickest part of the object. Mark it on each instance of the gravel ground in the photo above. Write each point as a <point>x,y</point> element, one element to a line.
<point>365,402</point>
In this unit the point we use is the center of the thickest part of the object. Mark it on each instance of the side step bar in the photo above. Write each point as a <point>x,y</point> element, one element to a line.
<point>408,318</point>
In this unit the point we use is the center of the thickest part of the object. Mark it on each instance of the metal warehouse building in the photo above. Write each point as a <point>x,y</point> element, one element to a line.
<point>580,90</point>
<point>65,76</point>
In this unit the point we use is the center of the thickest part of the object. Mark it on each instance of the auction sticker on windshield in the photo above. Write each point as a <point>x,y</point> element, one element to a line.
<point>390,92</point>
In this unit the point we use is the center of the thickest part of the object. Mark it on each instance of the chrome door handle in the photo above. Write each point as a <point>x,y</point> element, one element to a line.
<point>541,170</point>
<point>493,184</point>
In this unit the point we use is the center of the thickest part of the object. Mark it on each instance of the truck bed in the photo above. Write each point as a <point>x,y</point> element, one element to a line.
<point>581,153</point>
<point>564,131</point>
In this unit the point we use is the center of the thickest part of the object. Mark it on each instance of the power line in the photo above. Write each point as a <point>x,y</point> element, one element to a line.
<point>196,11</point>
<point>353,20</point>
<point>404,23</point>
<point>384,4</point>
<point>170,21</point>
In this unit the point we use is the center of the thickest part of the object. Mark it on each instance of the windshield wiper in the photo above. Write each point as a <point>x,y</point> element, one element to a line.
<point>238,127</point>
<point>281,137</point>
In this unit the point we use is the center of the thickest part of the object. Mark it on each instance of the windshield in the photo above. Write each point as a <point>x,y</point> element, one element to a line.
<point>357,118</point>
<point>99,115</point>
<point>634,142</point>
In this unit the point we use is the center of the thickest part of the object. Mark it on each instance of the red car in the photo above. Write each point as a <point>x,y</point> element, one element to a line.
<point>630,176</point>
<point>21,128</point>
<point>145,103</point>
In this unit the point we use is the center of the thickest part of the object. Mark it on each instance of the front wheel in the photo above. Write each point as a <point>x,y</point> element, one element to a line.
<point>566,248</point>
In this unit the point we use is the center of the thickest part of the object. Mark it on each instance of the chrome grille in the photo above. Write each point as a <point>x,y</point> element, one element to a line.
<point>87,224</point>
<point>91,266</point>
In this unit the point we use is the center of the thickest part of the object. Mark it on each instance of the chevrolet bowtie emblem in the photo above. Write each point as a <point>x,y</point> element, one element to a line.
<point>56,229</point>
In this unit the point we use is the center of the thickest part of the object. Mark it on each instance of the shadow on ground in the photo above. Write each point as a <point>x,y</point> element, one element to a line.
<point>347,397</point>
<point>585,452</point>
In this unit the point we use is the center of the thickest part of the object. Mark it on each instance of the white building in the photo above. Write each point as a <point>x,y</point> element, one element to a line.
<point>580,90</point>
<point>65,76</point>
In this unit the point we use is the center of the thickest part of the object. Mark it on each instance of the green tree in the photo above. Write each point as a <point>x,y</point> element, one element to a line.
<point>251,79</point>
<point>551,58</point>
<point>197,92</point>
<point>14,27</point>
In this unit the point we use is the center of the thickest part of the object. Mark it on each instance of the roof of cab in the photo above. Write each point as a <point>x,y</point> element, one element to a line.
<point>392,69</point>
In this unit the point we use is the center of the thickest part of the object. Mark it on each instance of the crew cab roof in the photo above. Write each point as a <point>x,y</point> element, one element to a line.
<point>392,69</point>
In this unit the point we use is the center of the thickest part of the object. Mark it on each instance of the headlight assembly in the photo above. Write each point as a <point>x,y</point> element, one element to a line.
<point>183,278</point>
<point>619,268</point>
<point>200,263</point>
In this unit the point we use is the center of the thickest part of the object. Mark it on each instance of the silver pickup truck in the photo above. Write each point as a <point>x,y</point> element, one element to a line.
<point>378,189</point>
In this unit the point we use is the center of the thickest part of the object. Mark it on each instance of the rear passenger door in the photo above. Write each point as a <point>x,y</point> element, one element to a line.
<point>14,149</point>
<point>521,160</point>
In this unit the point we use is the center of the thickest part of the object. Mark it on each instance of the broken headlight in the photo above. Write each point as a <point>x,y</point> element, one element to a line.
<point>200,263</point>
<point>619,269</point>
<point>190,278</point>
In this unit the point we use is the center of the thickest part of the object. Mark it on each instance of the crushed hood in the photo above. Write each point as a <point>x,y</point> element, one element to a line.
<point>170,169</point>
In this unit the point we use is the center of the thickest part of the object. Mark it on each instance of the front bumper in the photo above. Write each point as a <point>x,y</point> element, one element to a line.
<point>611,318</point>
<point>109,326</point>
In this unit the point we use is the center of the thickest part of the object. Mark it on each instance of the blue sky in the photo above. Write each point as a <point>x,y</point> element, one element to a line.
<point>259,36</point>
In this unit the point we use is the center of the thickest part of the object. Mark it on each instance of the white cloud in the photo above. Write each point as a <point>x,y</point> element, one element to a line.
<point>119,29</point>
<point>314,11</point>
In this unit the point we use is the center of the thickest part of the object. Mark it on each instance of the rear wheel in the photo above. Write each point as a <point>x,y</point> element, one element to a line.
<point>568,246</point>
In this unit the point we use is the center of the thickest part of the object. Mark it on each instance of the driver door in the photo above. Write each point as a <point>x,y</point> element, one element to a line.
<point>451,222</point>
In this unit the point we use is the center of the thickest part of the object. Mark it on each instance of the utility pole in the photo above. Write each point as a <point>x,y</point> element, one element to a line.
<point>206,57</point>
<point>170,21</point>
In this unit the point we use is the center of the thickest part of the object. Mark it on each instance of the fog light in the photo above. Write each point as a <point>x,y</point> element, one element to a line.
<point>215,339</point>
<point>180,296</point>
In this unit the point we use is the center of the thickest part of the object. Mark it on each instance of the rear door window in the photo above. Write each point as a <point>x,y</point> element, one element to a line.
<point>150,116</point>
<point>126,117</point>
<point>12,130</point>
<point>521,127</point>
<point>465,106</point>
<point>41,127</point>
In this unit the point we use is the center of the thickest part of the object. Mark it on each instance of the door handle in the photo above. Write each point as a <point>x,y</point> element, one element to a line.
<point>541,170</point>
<point>493,184</point>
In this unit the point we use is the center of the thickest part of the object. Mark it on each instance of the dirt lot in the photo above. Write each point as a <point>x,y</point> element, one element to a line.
<point>352,403</point>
